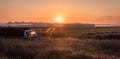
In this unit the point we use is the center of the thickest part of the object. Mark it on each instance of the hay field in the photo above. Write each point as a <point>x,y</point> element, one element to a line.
<point>64,43</point>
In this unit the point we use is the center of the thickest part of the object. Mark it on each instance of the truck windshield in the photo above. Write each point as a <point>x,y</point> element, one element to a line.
<point>32,32</point>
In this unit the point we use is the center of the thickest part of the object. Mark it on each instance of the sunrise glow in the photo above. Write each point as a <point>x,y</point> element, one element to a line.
<point>59,20</point>
<point>60,11</point>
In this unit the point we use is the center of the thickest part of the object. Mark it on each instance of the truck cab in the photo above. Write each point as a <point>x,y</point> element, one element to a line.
<point>29,34</point>
<point>17,32</point>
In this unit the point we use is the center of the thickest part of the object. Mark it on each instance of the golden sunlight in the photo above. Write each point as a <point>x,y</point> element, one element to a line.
<point>59,20</point>
<point>33,32</point>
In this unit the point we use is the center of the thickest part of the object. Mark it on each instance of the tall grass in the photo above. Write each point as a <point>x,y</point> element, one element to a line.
<point>61,45</point>
<point>59,48</point>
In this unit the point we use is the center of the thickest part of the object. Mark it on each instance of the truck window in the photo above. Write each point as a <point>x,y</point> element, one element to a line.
<point>32,32</point>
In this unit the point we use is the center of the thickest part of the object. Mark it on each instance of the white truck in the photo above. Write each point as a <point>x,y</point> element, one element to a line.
<point>26,33</point>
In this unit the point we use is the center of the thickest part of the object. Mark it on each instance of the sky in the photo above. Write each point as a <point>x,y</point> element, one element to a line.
<point>70,11</point>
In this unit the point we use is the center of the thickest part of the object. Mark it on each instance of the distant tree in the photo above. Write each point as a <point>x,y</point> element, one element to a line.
<point>9,22</point>
<point>16,22</point>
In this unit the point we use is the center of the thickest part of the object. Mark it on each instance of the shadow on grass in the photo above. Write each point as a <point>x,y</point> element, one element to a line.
<point>111,47</point>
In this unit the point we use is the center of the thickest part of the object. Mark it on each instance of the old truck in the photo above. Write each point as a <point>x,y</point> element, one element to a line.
<point>26,33</point>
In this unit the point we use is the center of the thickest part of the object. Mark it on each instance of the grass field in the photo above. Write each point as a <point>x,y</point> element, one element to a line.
<point>64,43</point>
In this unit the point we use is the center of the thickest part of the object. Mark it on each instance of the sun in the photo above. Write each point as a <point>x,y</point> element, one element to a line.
<point>59,20</point>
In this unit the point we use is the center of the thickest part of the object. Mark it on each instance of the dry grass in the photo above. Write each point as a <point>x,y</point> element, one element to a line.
<point>58,45</point>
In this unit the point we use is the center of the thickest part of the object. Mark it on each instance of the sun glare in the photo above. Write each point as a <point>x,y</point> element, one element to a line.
<point>59,20</point>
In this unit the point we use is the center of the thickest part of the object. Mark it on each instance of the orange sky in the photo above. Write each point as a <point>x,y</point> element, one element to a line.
<point>71,11</point>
